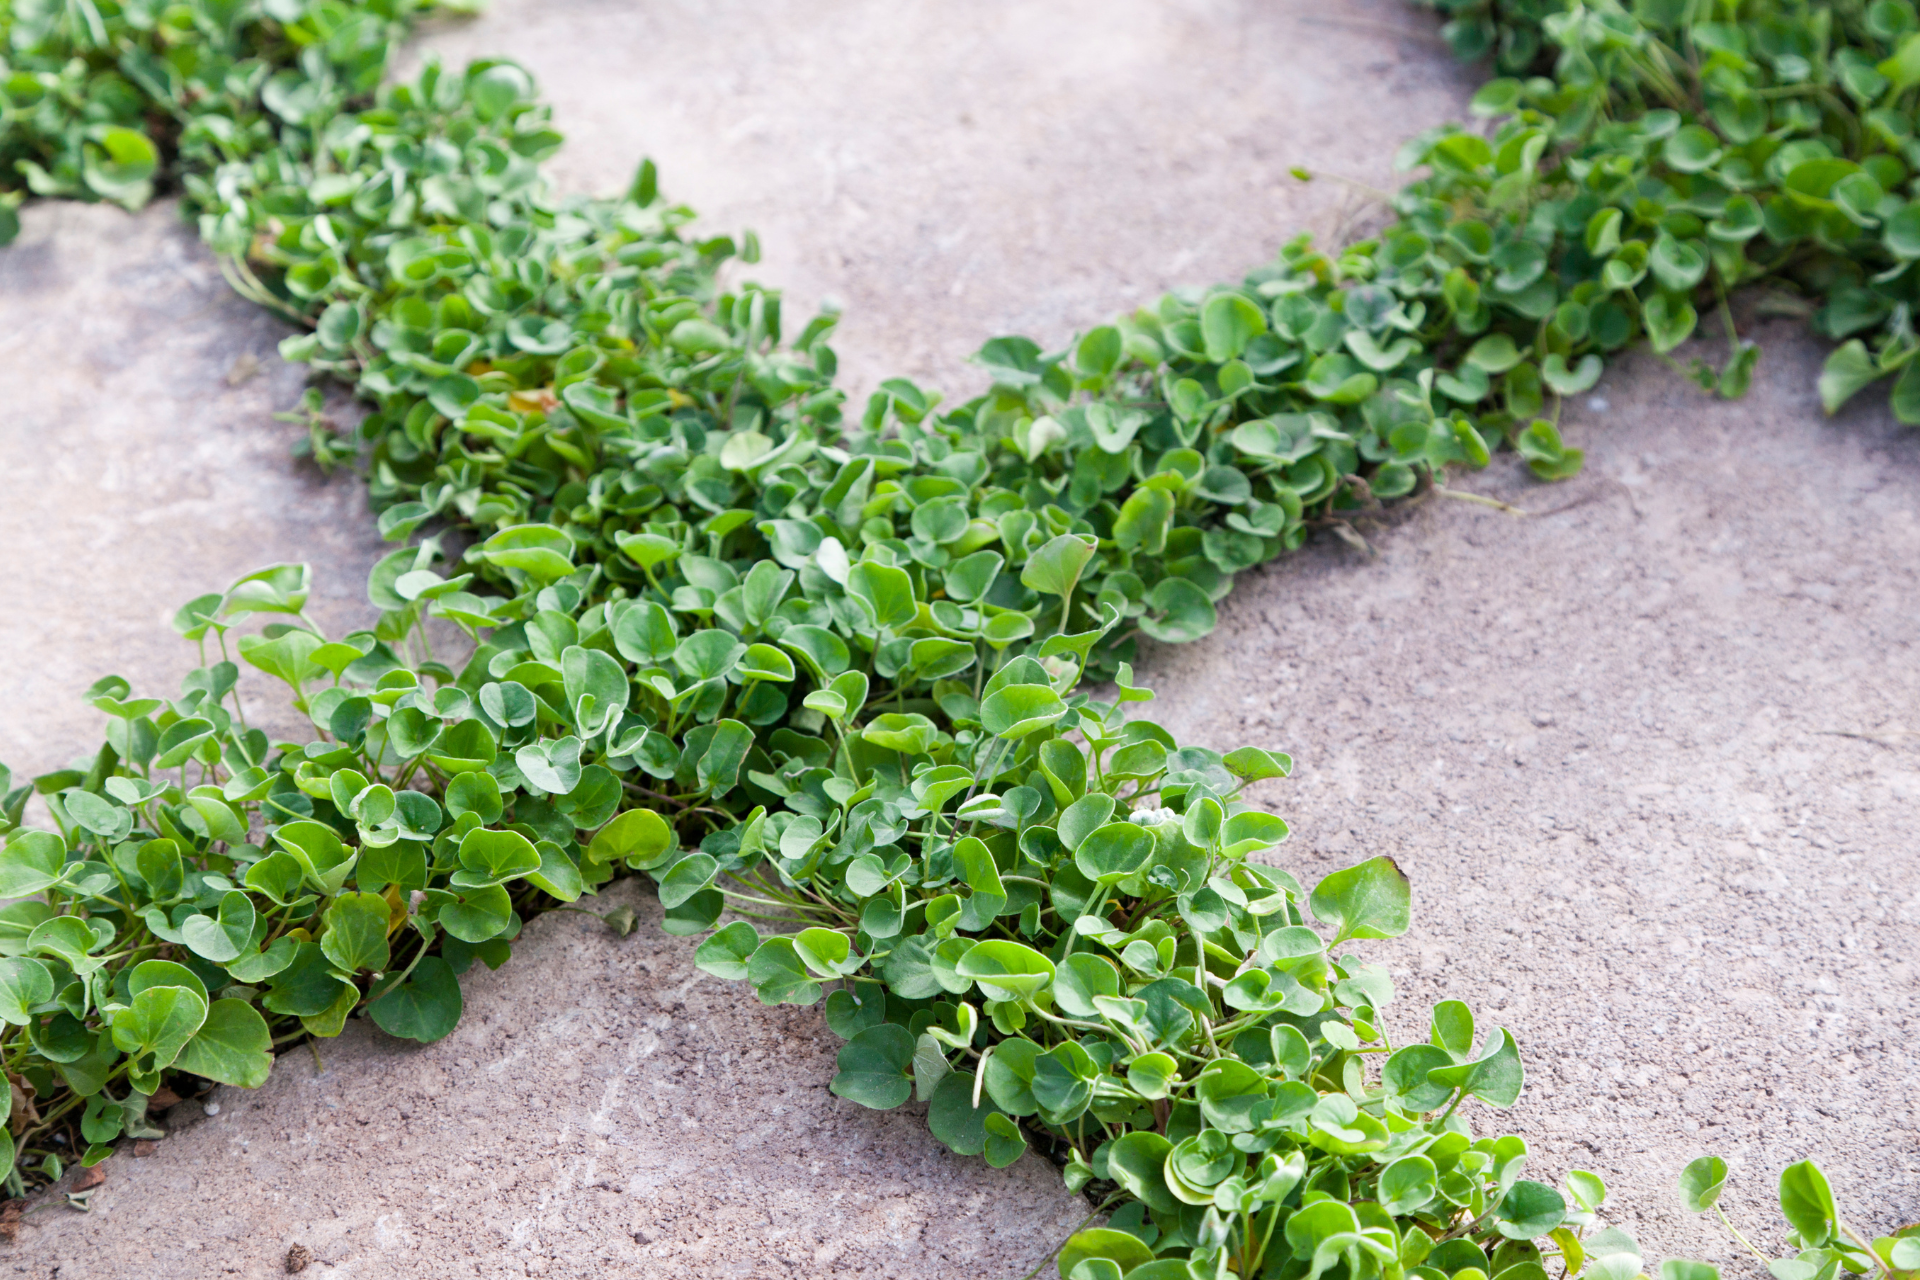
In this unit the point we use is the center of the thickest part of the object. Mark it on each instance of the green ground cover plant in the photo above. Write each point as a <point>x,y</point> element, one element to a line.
<point>818,673</point>
<point>1824,1241</point>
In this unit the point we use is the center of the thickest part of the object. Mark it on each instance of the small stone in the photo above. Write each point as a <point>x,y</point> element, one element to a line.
<point>89,1178</point>
<point>144,1147</point>
<point>212,1108</point>
<point>162,1098</point>
<point>297,1259</point>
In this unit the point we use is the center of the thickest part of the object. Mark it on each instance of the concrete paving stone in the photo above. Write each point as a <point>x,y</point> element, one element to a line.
<point>140,467</point>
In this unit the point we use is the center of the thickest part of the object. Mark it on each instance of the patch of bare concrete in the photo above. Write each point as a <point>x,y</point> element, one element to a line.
<point>948,173</point>
<point>1650,762</point>
<point>140,467</point>
<point>603,1109</point>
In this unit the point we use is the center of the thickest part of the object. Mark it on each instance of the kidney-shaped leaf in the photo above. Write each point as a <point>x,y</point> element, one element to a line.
<point>1114,852</point>
<point>1005,970</point>
<point>1371,900</point>
<point>1529,1209</point>
<point>1020,709</point>
<point>490,857</point>
<point>356,936</point>
<point>159,1021</point>
<point>232,1046</point>
<point>1119,1247</point>
<point>426,1007</point>
<point>1407,1184</point>
<point>1056,567</point>
<point>23,984</point>
<point>221,938</point>
<point>1701,1183</point>
<point>1806,1201</point>
<point>30,862</point>
<point>876,1067</point>
<point>1495,1079</point>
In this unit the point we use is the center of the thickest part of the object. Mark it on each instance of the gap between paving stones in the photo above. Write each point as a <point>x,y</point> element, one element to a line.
<point>1427,908</point>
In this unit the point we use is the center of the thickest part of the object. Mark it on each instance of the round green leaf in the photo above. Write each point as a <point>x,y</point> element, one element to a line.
<point>1187,613</point>
<point>1080,978</point>
<point>1056,567</point>
<point>1228,322</point>
<point>1005,970</point>
<point>1371,900</point>
<point>640,836</point>
<point>778,977</point>
<point>1020,709</point>
<point>426,1007</point>
<point>232,1046</point>
<point>223,937</point>
<point>1529,1209</point>
<point>490,857</point>
<point>687,877</point>
<point>476,792</point>
<point>1137,1160</point>
<point>356,934</point>
<point>1495,1079</point>
<point>1406,1078</point>
<point>30,862</point>
<point>1099,1242</point>
<point>764,662</point>
<point>1692,149</point>
<point>23,984</point>
<point>1005,1143</point>
<point>1151,1075</point>
<point>478,913</point>
<point>876,1067</point>
<point>954,1119</point>
<point>1407,1184</point>
<point>1701,1183</point>
<point>727,952</point>
<point>1806,1201</point>
<point>463,748</point>
<point>158,1022</point>
<point>1114,852</point>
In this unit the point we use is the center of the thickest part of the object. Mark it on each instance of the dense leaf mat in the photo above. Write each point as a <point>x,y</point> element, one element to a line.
<point>819,675</point>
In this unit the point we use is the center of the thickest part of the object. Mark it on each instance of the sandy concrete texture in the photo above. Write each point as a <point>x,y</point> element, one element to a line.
<point>1650,764</point>
<point>948,173</point>
<point>1602,742</point>
<point>604,1108</point>
<point>140,467</point>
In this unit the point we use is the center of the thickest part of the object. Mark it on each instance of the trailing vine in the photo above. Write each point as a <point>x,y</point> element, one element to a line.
<point>818,673</point>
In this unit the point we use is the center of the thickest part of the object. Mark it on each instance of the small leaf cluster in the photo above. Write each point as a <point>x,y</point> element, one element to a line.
<point>1823,1241</point>
<point>206,894</point>
<point>1725,146</point>
<point>110,99</point>
<point>1050,931</point>
<point>1032,912</point>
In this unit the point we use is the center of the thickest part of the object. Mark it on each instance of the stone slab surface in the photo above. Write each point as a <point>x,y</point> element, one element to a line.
<point>1601,741</point>
<point>140,467</point>
<point>604,1108</point>
<point>945,174</point>
<point>1650,763</point>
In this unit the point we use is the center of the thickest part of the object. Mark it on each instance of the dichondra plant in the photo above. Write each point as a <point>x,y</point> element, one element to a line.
<point>1033,913</point>
<point>819,674</point>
